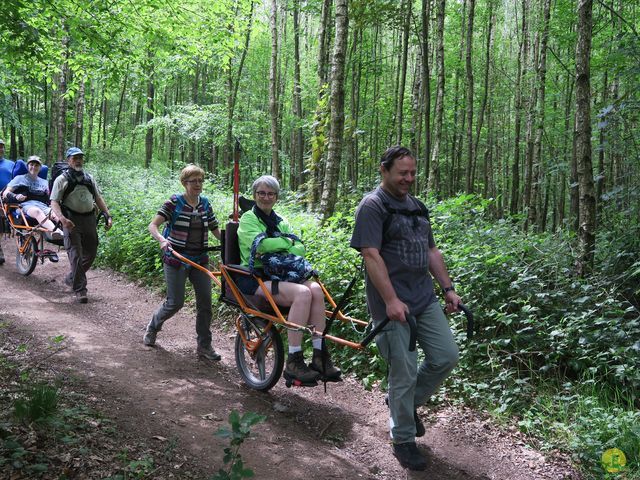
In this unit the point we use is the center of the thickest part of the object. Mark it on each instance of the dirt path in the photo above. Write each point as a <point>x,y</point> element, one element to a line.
<point>167,392</point>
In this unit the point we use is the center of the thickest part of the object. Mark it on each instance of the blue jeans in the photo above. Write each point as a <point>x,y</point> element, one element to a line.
<point>176,278</point>
<point>410,386</point>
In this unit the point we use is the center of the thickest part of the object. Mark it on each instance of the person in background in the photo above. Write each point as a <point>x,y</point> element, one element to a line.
<point>306,300</point>
<point>393,233</point>
<point>72,200</point>
<point>6,170</point>
<point>190,218</point>
<point>32,193</point>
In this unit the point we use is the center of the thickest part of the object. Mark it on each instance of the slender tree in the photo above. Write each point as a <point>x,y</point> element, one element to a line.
<point>336,130</point>
<point>587,229</point>
<point>434,165</point>
<point>273,91</point>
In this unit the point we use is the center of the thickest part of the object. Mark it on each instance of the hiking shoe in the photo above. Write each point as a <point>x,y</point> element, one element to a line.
<point>296,368</point>
<point>330,372</point>
<point>149,338</point>
<point>81,297</point>
<point>208,354</point>
<point>409,456</point>
<point>420,430</point>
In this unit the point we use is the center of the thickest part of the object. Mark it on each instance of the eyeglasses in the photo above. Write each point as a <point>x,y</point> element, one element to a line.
<point>262,194</point>
<point>196,181</point>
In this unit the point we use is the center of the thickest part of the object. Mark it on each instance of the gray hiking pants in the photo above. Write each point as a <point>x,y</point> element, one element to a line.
<point>410,386</point>
<point>176,278</point>
<point>81,244</point>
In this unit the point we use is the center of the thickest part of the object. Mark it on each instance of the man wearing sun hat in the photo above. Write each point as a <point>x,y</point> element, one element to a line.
<point>72,197</point>
<point>6,168</point>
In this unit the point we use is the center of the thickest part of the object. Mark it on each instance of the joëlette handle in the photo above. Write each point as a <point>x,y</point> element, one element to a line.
<point>413,332</point>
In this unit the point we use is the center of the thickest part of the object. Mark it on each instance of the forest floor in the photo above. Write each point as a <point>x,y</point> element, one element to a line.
<point>165,404</point>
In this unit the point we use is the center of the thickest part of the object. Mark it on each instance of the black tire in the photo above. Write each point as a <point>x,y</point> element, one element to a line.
<point>262,369</point>
<point>27,260</point>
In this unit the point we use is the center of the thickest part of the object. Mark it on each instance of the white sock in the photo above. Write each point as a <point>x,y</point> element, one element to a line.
<point>317,343</point>
<point>293,349</point>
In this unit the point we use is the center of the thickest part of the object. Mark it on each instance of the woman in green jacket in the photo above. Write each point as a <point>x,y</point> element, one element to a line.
<point>306,300</point>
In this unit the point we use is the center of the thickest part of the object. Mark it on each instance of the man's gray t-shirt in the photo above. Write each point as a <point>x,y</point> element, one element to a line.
<point>404,249</point>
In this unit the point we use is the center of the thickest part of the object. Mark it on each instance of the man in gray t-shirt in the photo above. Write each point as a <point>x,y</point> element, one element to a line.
<point>393,234</point>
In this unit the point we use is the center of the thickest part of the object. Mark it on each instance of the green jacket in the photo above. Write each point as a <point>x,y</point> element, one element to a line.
<point>251,226</point>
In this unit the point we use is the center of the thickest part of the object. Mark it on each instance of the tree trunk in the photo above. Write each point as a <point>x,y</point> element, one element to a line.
<point>51,125</point>
<point>318,141</point>
<point>120,105</point>
<point>232,94</point>
<point>434,166</point>
<point>487,87</point>
<point>61,124</point>
<point>79,123</point>
<point>587,229</point>
<point>403,70</point>
<point>469,109</point>
<point>297,138</point>
<point>425,83</point>
<point>273,92</point>
<point>336,130</point>
<point>148,141</point>
<point>522,61</point>
<point>532,217</point>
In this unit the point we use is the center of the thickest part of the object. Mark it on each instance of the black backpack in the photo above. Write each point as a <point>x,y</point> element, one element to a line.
<point>62,168</point>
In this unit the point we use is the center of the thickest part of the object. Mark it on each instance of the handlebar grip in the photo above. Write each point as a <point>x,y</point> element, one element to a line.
<point>413,332</point>
<point>469,315</point>
<point>375,331</point>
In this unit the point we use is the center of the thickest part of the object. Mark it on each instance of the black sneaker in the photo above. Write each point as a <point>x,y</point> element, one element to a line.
<point>420,430</point>
<point>409,456</point>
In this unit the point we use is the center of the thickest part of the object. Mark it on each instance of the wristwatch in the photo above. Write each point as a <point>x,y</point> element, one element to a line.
<point>450,288</point>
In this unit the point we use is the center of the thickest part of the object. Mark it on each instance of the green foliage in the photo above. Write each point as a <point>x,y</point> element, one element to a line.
<point>133,203</point>
<point>39,404</point>
<point>134,469</point>
<point>239,432</point>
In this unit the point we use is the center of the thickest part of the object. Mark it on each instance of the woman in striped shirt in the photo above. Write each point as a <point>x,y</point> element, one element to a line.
<point>189,218</point>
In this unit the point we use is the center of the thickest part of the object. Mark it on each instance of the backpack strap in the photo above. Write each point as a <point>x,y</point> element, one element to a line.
<point>72,183</point>
<point>180,203</point>
<point>422,211</point>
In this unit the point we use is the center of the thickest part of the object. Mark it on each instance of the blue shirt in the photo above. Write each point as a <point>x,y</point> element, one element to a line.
<point>6,169</point>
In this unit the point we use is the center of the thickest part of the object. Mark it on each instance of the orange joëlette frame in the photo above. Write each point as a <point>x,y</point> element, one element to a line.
<point>7,207</point>
<point>277,316</point>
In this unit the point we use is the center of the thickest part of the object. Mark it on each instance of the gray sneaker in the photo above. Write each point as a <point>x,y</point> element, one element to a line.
<point>149,338</point>
<point>208,354</point>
